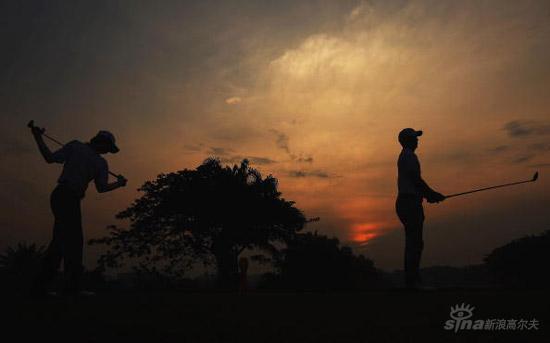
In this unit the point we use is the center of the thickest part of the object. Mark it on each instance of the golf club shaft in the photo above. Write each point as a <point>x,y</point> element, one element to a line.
<point>31,124</point>
<point>52,139</point>
<point>487,188</point>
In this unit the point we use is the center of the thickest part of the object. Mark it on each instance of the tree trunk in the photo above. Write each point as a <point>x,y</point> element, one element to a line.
<point>227,266</point>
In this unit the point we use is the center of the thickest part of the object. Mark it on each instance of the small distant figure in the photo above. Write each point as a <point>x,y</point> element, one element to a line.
<point>82,163</point>
<point>412,189</point>
<point>243,277</point>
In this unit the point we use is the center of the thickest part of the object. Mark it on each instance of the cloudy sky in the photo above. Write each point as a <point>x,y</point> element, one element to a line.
<point>313,92</point>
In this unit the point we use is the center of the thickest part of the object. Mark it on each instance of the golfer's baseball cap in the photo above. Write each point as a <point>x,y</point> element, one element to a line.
<point>408,132</point>
<point>108,137</point>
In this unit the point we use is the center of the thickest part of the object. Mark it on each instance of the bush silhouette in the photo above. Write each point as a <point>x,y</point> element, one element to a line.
<point>521,262</point>
<point>18,265</point>
<point>315,262</point>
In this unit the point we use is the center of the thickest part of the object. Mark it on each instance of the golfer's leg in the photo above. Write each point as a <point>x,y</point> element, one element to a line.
<point>414,243</point>
<point>54,253</point>
<point>48,267</point>
<point>417,251</point>
<point>73,249</point>
<point>73,264</point>
<point>410,255</point>
<point>403,210</point>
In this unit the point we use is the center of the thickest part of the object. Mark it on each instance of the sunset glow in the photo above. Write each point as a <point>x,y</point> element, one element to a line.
<point>311,92</point>
<point>363,233</point>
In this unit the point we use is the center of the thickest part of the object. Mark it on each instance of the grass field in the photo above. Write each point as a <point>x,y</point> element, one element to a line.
<point>375,316</point>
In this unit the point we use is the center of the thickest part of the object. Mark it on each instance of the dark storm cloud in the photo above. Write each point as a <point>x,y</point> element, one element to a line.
<point>315,173</point>
<point>518,128</point>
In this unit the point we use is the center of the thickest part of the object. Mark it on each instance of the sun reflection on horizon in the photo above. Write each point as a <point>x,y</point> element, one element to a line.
<point>365,232</point>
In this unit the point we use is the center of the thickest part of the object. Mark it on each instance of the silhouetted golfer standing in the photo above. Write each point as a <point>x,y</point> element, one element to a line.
<point>82,163</point>
<point>412,189</point>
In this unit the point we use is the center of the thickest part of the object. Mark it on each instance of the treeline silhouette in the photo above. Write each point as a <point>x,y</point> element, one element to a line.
<point>312,261</point>
<point>210,215</point>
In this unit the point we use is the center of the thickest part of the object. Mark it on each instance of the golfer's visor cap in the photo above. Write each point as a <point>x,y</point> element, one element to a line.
<point>109,138</point>
<point>408,133</point>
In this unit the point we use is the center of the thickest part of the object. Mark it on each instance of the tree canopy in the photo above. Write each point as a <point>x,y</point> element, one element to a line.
<point>213,211</point>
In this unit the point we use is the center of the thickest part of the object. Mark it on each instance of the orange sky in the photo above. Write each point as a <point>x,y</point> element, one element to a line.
<point>313,92</point>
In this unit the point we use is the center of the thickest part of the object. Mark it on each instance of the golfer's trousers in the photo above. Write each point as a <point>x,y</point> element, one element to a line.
<point>411,213</point>
<point>67,240</point>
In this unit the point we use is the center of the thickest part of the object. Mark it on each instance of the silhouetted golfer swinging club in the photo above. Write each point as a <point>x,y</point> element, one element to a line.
<point>31,126</point>
<point>535,177</point>
<point>82,163</point>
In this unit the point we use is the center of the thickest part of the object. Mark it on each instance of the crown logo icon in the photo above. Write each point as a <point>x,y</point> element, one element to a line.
<point>462,311</point>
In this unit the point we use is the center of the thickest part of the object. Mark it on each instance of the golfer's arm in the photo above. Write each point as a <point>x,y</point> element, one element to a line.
<point>44,150</point>
<point>102,183</point>
<point>422,185</point>
<point>107,187</point>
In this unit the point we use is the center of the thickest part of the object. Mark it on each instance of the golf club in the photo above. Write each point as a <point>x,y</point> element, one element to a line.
<point>533,179</point>
<point>31,125</point>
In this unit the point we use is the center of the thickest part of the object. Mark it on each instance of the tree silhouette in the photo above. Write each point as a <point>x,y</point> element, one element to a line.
<point>316,262</point>
<point>212,211</point>
<point>18,265</point>
<point>521,262</point>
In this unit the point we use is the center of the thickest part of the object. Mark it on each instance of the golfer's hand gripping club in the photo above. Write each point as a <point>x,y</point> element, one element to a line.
<point>35,129</point>
<point>122,181</point>
<point>436,197</point>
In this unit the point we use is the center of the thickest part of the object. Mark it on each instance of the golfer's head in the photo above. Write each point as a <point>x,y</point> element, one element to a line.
<point>104,142</point>
<point>408,138</point>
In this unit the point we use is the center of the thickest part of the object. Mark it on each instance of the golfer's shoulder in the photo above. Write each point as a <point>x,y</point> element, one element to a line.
<point>70,148</point>
<point>72,144</point>
<point>76,145</point>
<point>101,161</point>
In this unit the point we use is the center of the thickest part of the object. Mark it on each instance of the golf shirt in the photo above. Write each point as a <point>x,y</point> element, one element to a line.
<point>81,164</point>
<point>407,167</point>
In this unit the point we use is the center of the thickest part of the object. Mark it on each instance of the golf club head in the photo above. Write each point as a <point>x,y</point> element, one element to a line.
<point>535,177</point>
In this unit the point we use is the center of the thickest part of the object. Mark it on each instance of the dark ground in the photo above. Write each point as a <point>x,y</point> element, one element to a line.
<point>375,316</point>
